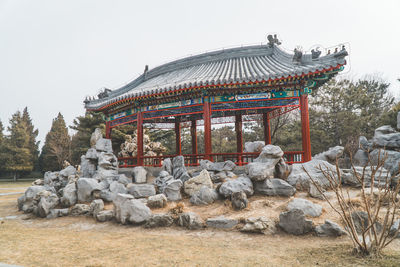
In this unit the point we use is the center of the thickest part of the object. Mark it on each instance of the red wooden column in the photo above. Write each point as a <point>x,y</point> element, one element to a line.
<point>305,127</point>
<point>207,128</point>
<point>139,139</point>
<point>108,130</point>
<point>193,134</point>
<point>239,137</point>
<point>178,145</point>
<point>267,128</point>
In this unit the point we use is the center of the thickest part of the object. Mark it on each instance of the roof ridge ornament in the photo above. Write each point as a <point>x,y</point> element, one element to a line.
<point>273,40</point>
<point>146,69</point>
<point>298,54</point>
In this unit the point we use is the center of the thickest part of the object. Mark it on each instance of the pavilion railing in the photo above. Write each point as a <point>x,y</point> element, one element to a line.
<point>240,159</point>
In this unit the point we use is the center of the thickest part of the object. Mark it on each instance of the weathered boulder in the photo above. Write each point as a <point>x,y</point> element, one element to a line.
<point>167,165</point>
<point>26,202</point>
<point>258,171</point>
<point>255,146</point>
<point>96,136</point>
<point>104,145</point>
<point>217,166</point>
<point>79,209</point>
<point>299,178</point>
<point>70,170</point>
<point>161,181</point>
<point>386,137</point>
<point>282,170</point>
<point>315,193</point>
<point>274,187</point>
<point>117,188</point>
<point>122,179</point>
<point>270,154</point>
<point>159,220</point>
<point>141,190</point>
<point>331,154</point>
<point>309,208</point>
<point>54,213</point>
<point>394,228</point>
<point>361,221</point>
<point>48,201</point>
<point>364,144</point>
<point>157,201</point>
<point>107,161</point>
<point>92,154</point>
<point>105,215</point>
<point>139,175</point>
<point>194,184</point>
<point>95,207</point>
<point>259,225</point>
<point>190,220</point>
<point>88,169</point>
<point>218,177</point>
<point>221,222</point>
<point>179,170</point>
<point>239,200</point>
<point>349,177</point>
<point>329,228</point>
<point>392,161</point>
<point>69,197</point>
<point>102,174</point>
<point>398,120</point>
<point>360,158</point>
<point>294,222</point>
<point>242,183</point>
<point>204,196</point>
<point>172,190</point>
<point>130,210</point>
<point>85,187</point>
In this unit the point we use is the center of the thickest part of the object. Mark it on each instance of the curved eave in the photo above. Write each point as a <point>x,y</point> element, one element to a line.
<point>208,84</point>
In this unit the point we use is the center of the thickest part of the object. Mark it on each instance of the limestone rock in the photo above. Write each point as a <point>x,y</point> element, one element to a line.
<point>122,179</point>
<point>85,187</point>
<point>217,166</point>
<point>161,181</point>
<point>259,225</point>
<point>360,158</point>
<point>88,169</point>
<point>172,190</point>
<point>117,188</point>
<point>79,209</point>
<point>179,170</point>
<point>141,190</point>
<point>54,213</point>
<point>270,154</point>
<point>315,193</point>
<point>331,155</point>
<point>91,154</point>
<point>107,161</point>
<point>398,120</point>
<point>282,170</point>
<point>139,175</point>
<point>259,171</point>
<point>167,165</point>
<point>274,187</point>
<point>69,197</point>
<point>130,210</point>
<point>294,222</point>
<point>242,183</point>
<point>204,196</point>
<point>96,206</point>
<point>105,215</point>
<point>255,146</point>
<point>309,208</point>
<point>394,228</point>
<point>194,184</point>
<point>364,144</point>
<point>159,220</point>
<point>70,170</point>
<point>391,162</point>
<point>221,222</point>
<point>361,221</point>
<point>329,228</point>
<point>157,201</point>
<point>190,220</point>
<point>48,201</point>
<point>26,203</point>
<point>104,145</point>
<point>96,136</point>
<point>239,200</point>
<point>386,137</point>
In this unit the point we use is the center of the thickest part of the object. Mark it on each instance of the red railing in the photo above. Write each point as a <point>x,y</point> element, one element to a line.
<point>240,159</point>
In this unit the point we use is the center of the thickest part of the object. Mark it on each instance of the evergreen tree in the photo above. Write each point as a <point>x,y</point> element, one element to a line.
<point>57,147</point>
<point>33,133</point>
<point>84,127</point>
<point>16,152</point>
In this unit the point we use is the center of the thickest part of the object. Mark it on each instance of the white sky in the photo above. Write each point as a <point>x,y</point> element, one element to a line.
<point>54,53</point>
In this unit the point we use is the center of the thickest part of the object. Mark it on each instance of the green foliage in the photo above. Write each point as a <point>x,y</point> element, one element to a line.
<point>33,133</point>
<point>165,137</point>
<point>84,127</point>
<point>57,147</point>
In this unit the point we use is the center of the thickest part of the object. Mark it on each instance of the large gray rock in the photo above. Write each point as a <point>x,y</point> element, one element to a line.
<point>239,200</point>
<point>104,145</point>
<point>172,190</point>
<point>139,175</point>
<point>96,136</point>
<point>70,170</point>
<point>95,207</point>
<point>79,209</point>
<point>26,203</point>
<point>282,170</point>
<point>204,196</point>
<point>270,154</point>
<point>398,120</point>
<point>48,201</point>
<point>194,184</point>
<point>329,228</point>
<point>85,187</point>
<point>309,208</point>
<point>299,179</point>
<point>331,155</point>
<point>130,210</point>
<point>361,222</point>
<point>141,190</point>
<point>190,220</point>
<point>364,144</point>
<point>50,177</point>
<point>253,147</point>
<point>161,181</point>
<point>391,162</point>
<point>394,228</point>
<point>259,225</point>
<point>217,166</point>
<point>105,215</point>
<point>274,187</point>
<point>259,171</point>
<point>54,213</point>
<point>294,222</point>
<point>360,158</point>
<point>88,168</point>
<point>157,201</point>
<point>167,165</point>
<point>221,222</point>
<point>69,197</point>
<point>107,161</point>
<point>179,170</point>
<point>92,154</point>
<point>242,183</point>
<point>117,188</point>
<point>349,176</point>
<point>159,220</point>
<point>386,137</point>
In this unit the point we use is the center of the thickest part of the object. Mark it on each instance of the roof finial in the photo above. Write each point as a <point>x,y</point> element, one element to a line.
<point>273,40</point>
<point>298,54</point>
<point>146,69</point>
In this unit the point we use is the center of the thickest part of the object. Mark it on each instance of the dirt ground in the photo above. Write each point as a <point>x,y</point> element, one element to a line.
<point>81,241</point>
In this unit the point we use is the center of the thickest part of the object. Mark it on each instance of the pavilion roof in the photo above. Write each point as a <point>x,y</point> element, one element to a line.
<point>229,66</point>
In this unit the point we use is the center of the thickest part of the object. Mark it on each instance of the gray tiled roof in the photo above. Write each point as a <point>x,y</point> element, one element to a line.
<point>236,65</point>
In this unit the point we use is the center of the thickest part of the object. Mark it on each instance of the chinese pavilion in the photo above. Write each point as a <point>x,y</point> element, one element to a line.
<point>221,86</point>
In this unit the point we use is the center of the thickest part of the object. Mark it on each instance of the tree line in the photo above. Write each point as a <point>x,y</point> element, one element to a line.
<point>340,111</point>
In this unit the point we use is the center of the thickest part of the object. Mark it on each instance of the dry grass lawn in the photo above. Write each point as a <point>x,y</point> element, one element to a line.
<point>80,241</point>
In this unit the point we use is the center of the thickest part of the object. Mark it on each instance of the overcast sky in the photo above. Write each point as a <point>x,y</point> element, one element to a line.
<point>54,53</point>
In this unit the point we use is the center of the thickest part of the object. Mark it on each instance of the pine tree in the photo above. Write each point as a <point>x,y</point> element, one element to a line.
<point>16,151</point>
<point>57,146</point>
<point>33,133</point>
